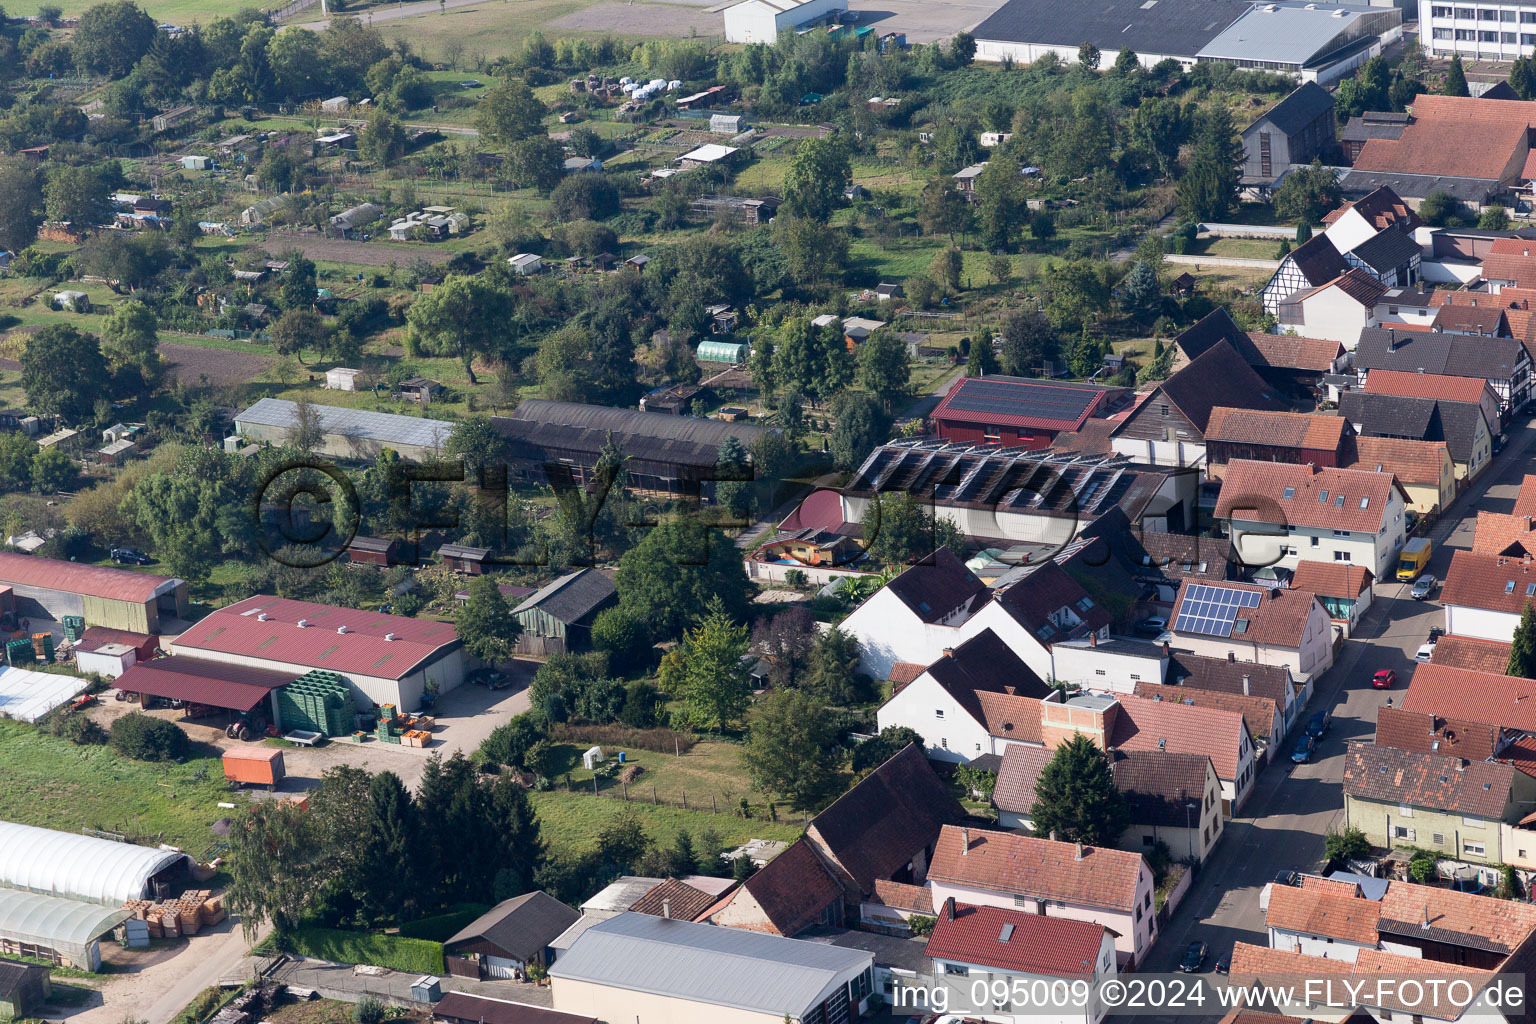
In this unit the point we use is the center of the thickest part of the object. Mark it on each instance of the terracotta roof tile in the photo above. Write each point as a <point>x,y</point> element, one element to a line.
<point>903,672</point>
<point>1278,429</point>
<point>1360,285</point>
<point>1435,781</point>
<point>1273,682</point>
<point>1500,534</point>
<point>1012,863</point>
<point>1035,944</point>
<point>1454,137</point>
<point>1332,579</point>
<point>1145,724</point>
<point>1383,208</point>
<point>1502,925</point>
<point>1426,385</point>
<point>901,896</point>
<point>1296,353</point>
<point>1311,912</point>
<point>1525,500</point>
<point>1424,733</point>
<point>1356,499</point>
<point>1519,269</point>
<point>1472,653</point>
<point>1258,713</point>
<point>1489,582</point>
<point>681,900</point>
<point>792,889</point>
<point>1158,785</point>
<point>1011,717</point>
<point>1483,320</point>
<point>1329,886</point>
<point>1412,462</point>
<point>1015,789</point>
<point>1251,964</point>
<point>1280,617</point>
<point>1486,697</point>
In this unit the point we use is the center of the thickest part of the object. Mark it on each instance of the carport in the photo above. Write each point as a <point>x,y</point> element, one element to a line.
<point>207,687</point>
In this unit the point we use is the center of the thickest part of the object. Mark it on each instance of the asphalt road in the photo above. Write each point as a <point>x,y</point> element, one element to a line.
<point>1292,806</point>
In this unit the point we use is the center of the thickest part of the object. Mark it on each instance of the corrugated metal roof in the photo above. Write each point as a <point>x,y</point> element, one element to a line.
<point>383,427</point>
<point>51,921</point>
<point>201,681</point>
<point>571,596</point>
<point>709,964</point>
<point>87,580</point>
<point>363,649</point>
<point>84,867</point>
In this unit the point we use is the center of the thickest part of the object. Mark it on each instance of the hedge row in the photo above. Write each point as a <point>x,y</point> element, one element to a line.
<point>410,956</point>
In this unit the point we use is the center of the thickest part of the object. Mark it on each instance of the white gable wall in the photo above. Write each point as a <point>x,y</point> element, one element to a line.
<point>949,732</point>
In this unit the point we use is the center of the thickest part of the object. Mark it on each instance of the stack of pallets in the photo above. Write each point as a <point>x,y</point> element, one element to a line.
<point>188,914</point>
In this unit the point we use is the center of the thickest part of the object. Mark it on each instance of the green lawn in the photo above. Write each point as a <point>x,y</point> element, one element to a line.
<point>570,822</point>
<point>52,783</point>
<point>1243,248</point>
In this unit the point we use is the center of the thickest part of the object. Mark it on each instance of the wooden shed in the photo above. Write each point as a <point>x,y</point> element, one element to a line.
<point>558,618</point>
<point>380,551</point>
<point>465,559</point>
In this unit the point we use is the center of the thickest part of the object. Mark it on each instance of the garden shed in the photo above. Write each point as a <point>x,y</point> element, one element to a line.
<point>513,934</point>
<point>81,867</point>
<point>23,989</point>
<point>558,618</point>
<point>49,928</point>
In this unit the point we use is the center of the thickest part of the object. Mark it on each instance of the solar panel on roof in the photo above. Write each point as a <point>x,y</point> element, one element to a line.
<point>1212,611</point>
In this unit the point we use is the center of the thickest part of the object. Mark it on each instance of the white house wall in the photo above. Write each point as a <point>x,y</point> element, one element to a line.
<point>1481,623</point>
<point>1160,453</point>
<point>948,730</point>
<point>1313,945</point>
<point>889,632</point>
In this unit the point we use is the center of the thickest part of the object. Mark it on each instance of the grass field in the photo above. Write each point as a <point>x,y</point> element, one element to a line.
<point>52,783</point>
<point>1244,248</point>
<point>494,27</point>
<point>570,822</point>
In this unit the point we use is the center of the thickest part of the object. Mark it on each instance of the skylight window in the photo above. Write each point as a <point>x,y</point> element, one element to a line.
<point>1509,588</point>
<point>1339,502</point>
<point>1365,502</point>
<point>1322,497</point>
<point>1288,493</point>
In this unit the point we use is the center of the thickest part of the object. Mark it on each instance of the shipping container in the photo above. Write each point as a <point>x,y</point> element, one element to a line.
<point>259,766</point>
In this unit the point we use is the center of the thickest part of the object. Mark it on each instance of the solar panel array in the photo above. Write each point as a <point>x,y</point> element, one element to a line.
<point>1212,610</point>
<point>1018,398</point>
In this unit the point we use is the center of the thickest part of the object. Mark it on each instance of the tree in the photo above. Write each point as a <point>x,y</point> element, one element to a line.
<point>1522,77</point>
<point>1350,844</point>
<point>943,210</point>
<point>463,318</point>
<point>814,253</point>
<point>883,746</point>
<point>1089,56</point>
<point>51,471</point>
<point>706,673</point>
<point>946,268</point>
<point>818,173</point>
<point>111,37</point>
<point>1028,341</point>
<point>1140,295</point>
<point>668,579</point>
<point>1126,62</point>
<point>388,853</point>
<point>130,344</point>
<point>1076,798</point>
<point>982,360</point>
<point>590,195</point>
<point>1441,209</point>
<point>510,112</point>
<point>485,623</point>
<point>793,750</point>
<point>63,373</point>
<point>885,367</point>
<point>617,634</point>
<point>733,478</point>
<point>861,425</point>
<point>21,203</point>
<point>145,738</point>
<point>901,529</point>
<point>1494,218</point>
<point>1002,207</point>
<point>276,865</point>
<point>307,432</point>
<point>192,521</point>
<point>383,141</point>
<point>1308,193</point>
<point>1522,649</point>
<point>476,443</point>
<point>1455,79</point>
<point>298,329</point>
<point>536,162</point>
<point>832,671</point>
<point>1074,293</point>
<point>962,49</point>
<point>297,285</point>
<point>1208,190</point>
<point>78,194</point>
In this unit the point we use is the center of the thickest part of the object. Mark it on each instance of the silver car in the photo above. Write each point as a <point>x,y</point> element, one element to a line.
<point>1424,587</point>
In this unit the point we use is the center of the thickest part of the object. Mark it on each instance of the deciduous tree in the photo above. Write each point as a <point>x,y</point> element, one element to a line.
<point>485,623</point>
<point>793,750</point>
<point>706,673</point>
<point>63,373</point>
<point>818,173</point>
<point>464,318</point>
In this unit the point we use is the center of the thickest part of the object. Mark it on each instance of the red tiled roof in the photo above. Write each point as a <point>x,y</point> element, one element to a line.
<point>1484,697</point>
<point>1505,923</point>
<point>1297,353</point>
<point>362,649</point>
<point>1332,579</point>
<point>1011,940</point>
<point>1260,964</point>
<point>903,672</point>
<point>1280,617</point>
<point>1022,765</point>
<point>1490,582</point>
<point>1012,863</point>
<point>1357,499</point>
<point>1499,534</point>
<point>1425,733</point>
<point>1426,385</point>
<point>1277,429</point>
<point>1412,462</point>
<point>1258,712</point>
<point>1455,137</point>
<point>1011,717</point>
<point>1472,653</point>
<point>677,898</point>
<point>1382,208</point>
<point>1510,267</point>
<point>1464,319</point>
<point>1312,912</point>
<point>1525,501</point>
<point>902,896</point>
<point>792,890</point>
<point>1436,781</point>
<point>1145,724</point>
<point>75,578</point>
<point>1358,284</point>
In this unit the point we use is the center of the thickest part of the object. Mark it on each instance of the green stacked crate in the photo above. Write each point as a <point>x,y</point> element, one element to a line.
<point>317,702</point>
<point>74,627</point>
<point>386,730</point>
<point>19,652</point>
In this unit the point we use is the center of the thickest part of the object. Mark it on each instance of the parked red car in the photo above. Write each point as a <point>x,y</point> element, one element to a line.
<point>1384,679</point>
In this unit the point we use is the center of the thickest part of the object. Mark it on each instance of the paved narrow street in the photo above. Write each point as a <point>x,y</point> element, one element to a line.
<point>1292,806</point>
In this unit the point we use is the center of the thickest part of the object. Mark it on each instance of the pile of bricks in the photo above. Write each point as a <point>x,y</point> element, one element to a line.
<point>188,914</point>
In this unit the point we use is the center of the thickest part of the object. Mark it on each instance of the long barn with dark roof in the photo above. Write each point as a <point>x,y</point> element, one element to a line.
<point>562,441</point>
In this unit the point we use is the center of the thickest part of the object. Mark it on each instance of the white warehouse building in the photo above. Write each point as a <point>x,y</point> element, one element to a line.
<point>761,21</point>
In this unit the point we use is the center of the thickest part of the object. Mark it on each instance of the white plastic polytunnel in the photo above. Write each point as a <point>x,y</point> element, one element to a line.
<point>68,927</point>
<point>81,867</point>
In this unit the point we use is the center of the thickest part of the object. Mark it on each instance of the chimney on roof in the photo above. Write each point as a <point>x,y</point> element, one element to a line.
<point>1425,925</point>
<point>1461,765</point>
<point>302,623</point>
<point>965,841</point>
<point>666,908</point>
<point>1053,835</point>
<point>1231,657</point>
<point>949,908</point>
<point>1166,649</point>
<point>1093,639</point>
<point>949,652</point>
<point>1078,855</point>
<point>1245,684</point>
<point>1010,689</point>
<point>1391,340</point>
